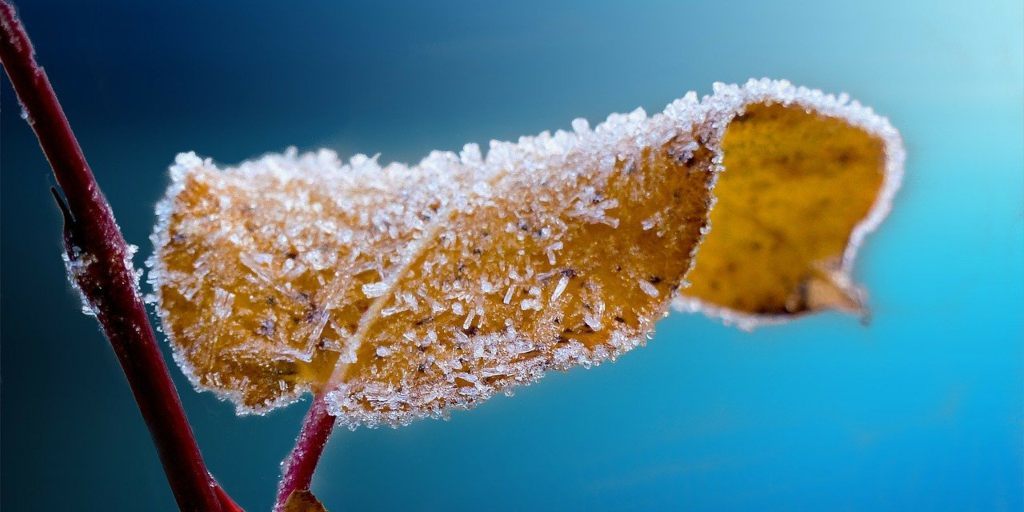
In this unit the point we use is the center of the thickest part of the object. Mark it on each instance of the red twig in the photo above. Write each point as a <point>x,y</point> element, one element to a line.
<point>298,469</point>
<point>102,268</point>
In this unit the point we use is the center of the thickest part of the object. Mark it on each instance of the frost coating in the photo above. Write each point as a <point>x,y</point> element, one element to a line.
<point>77,264</point>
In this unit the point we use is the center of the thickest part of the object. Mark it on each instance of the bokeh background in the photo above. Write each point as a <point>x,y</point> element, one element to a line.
<point>923,409</point>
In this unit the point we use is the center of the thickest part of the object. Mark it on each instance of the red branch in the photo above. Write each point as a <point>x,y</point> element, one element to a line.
<point>298,469</point>
<point>103,270</point>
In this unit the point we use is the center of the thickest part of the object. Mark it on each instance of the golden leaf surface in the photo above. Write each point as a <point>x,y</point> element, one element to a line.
<point>805,178</point>
<point>405,292</point>
<point>795,186</point>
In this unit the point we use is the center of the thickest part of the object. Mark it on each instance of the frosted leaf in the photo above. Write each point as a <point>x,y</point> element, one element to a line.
<point>511,257</point>
<point>446,282</point>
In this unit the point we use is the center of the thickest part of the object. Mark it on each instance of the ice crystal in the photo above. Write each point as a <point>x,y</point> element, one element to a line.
<point>76,263</point>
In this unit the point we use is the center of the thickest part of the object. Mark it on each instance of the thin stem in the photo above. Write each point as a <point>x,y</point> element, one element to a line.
<point>298,469</point>
<point>101,266</point>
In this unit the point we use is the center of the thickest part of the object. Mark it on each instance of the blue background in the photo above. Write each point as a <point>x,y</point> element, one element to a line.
<point>921,410</point>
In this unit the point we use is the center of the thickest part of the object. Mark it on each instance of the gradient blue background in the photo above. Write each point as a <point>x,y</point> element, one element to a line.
<point>921,410</point>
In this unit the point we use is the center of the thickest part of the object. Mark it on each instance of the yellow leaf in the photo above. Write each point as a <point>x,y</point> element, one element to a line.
<point>406,292</point>
<point>806,176</point>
